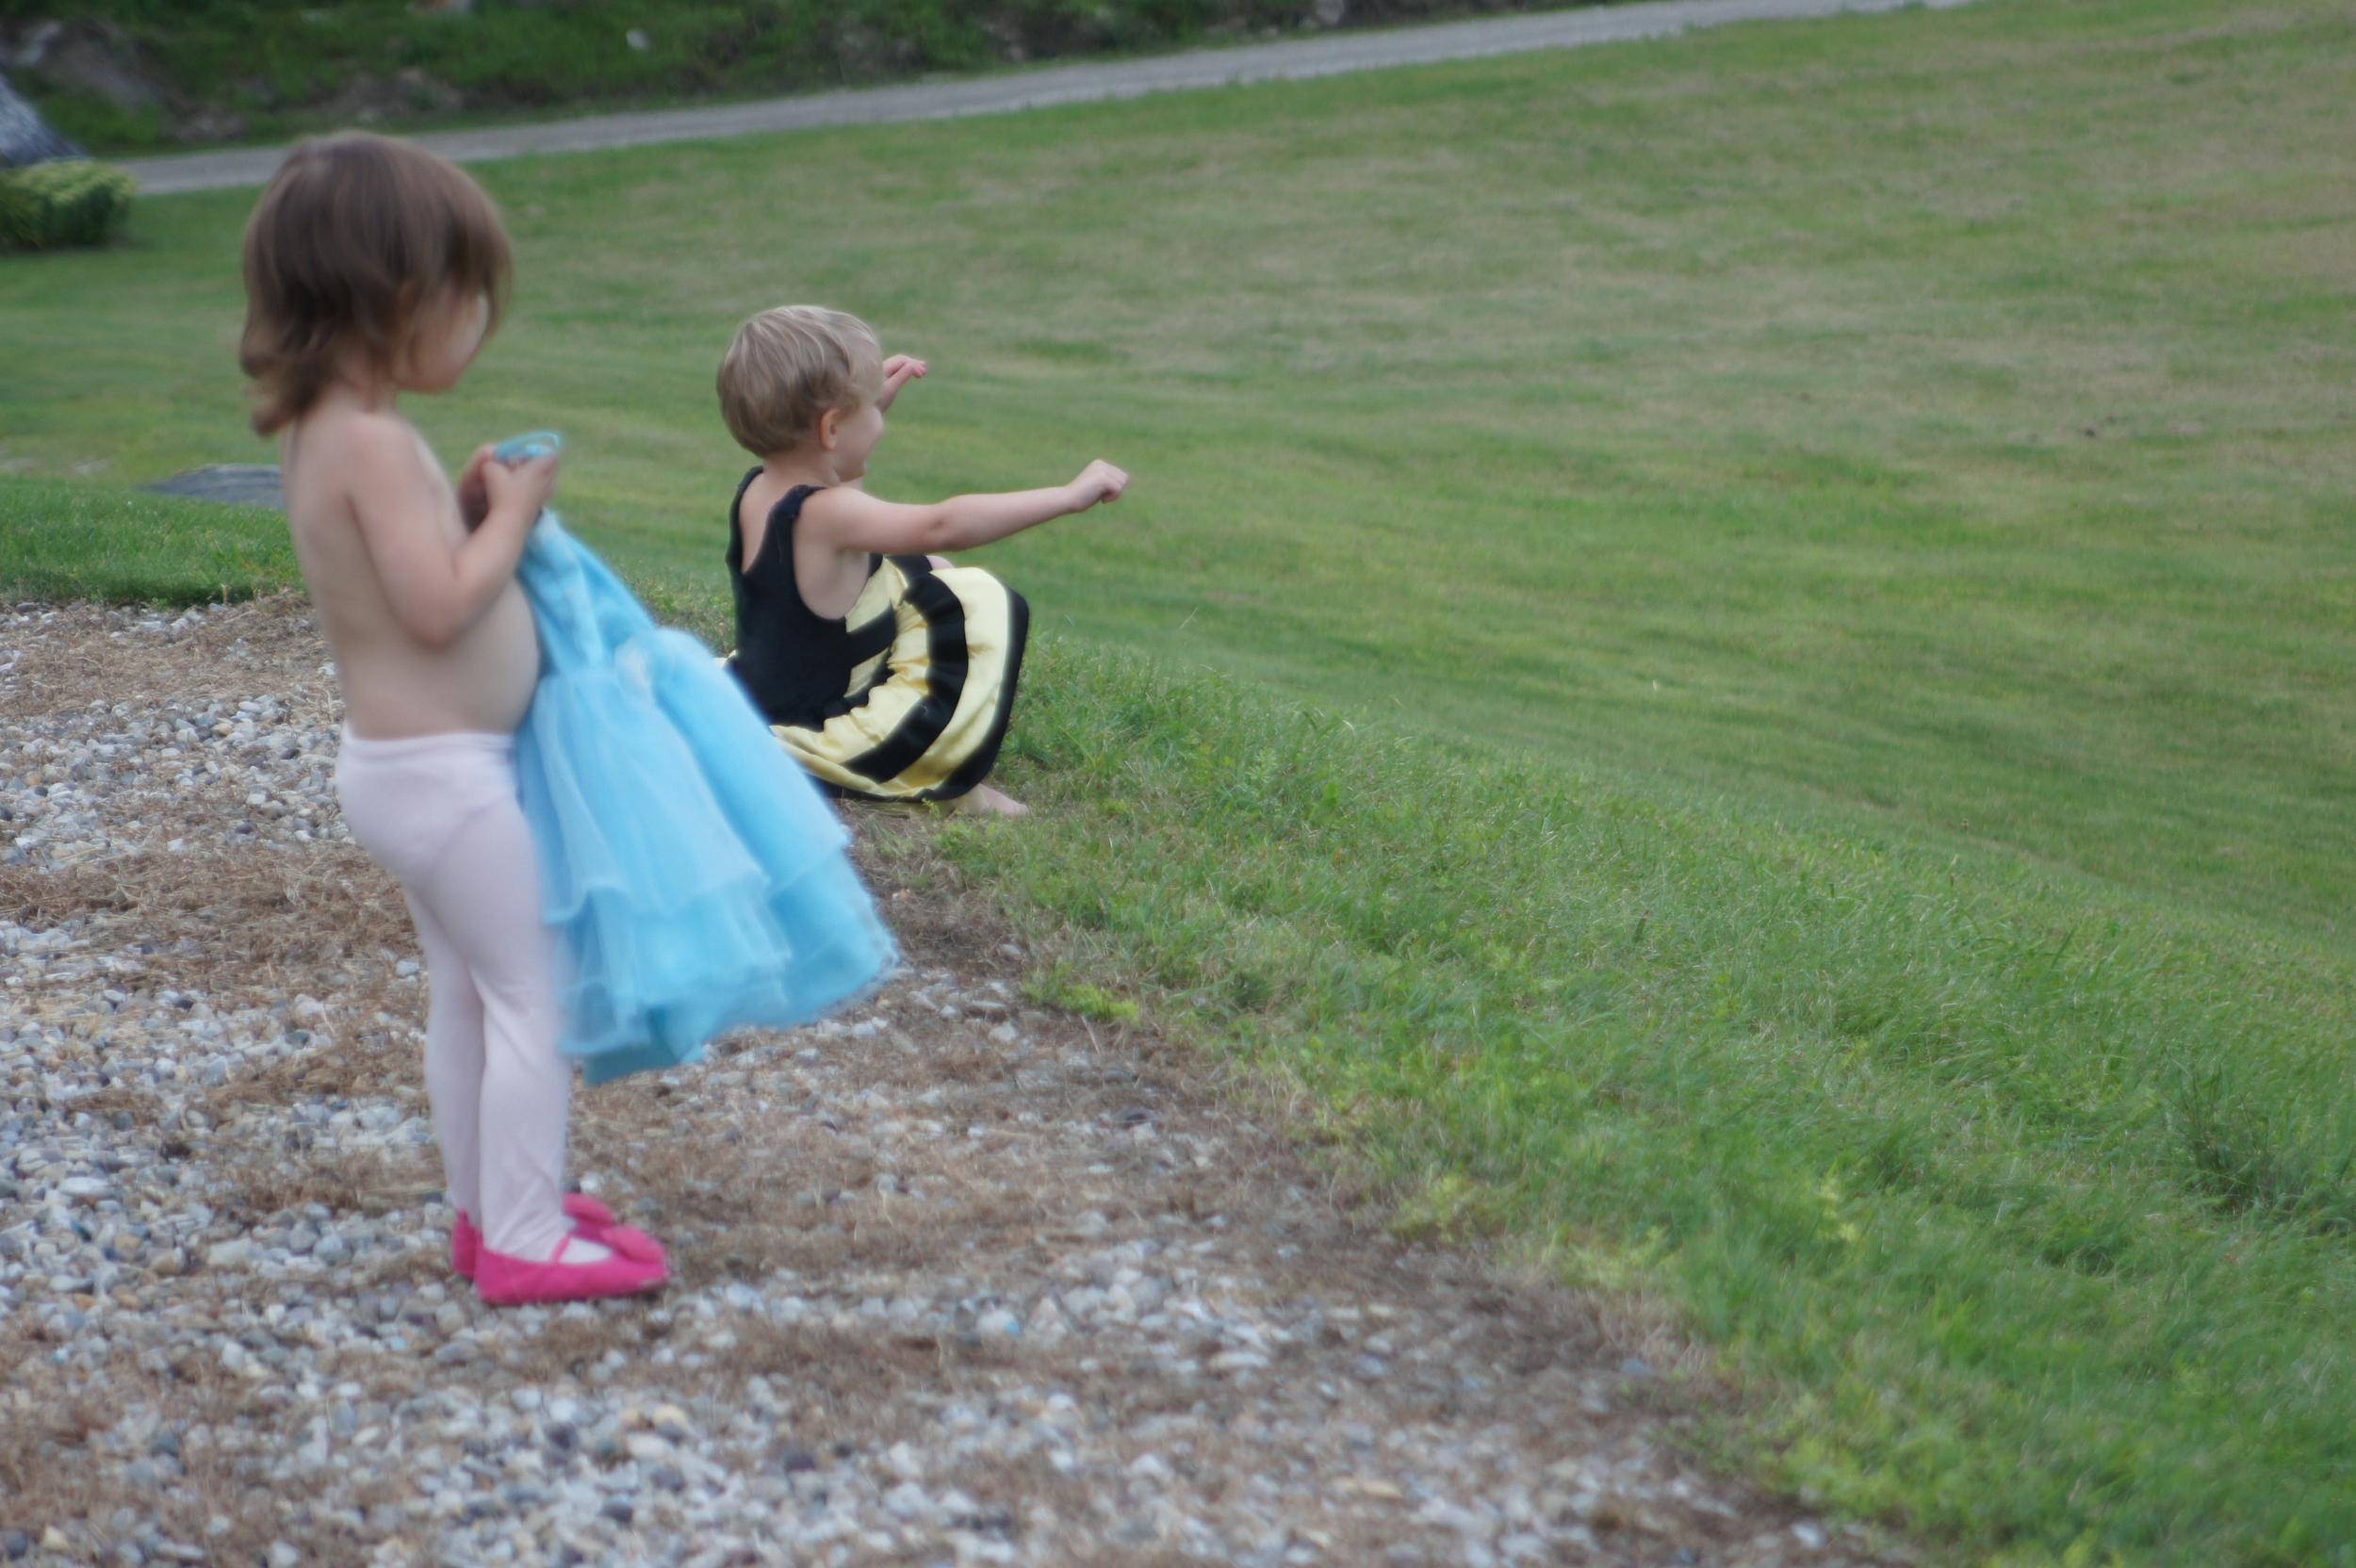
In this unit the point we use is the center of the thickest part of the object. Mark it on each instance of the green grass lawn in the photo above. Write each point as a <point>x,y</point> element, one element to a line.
<point>83,542</point>
<point>1828,551</point>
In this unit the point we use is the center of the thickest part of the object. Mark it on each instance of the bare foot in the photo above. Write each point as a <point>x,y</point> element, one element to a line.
<point>983,801</point>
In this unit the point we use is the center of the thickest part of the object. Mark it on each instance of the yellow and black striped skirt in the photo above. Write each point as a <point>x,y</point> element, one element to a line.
<point>922,720</point>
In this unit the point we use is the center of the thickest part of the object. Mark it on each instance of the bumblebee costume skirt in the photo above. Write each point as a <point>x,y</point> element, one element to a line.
<point>922,718</point>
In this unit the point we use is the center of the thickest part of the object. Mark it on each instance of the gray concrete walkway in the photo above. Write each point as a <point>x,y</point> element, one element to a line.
<point>1295,59</point>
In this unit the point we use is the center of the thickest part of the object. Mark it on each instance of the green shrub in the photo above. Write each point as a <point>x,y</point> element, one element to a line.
<point>67,202</point>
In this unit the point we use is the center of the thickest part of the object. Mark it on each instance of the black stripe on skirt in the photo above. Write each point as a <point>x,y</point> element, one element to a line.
<point>985,757</point>
<point>944,681</point>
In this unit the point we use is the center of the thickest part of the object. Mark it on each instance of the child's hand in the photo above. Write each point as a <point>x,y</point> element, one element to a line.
<point>898,371</point>
<point>1099,481</point>
<point>473,499</point>
<point>522,487</point>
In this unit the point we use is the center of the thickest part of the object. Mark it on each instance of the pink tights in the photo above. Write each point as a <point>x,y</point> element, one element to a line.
<point>440,813</point>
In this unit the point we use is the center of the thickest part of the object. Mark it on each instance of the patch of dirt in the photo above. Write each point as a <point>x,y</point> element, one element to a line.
<point>958,1279</point>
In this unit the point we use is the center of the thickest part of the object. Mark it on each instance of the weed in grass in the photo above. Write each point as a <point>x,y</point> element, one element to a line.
<point>1084,998</point>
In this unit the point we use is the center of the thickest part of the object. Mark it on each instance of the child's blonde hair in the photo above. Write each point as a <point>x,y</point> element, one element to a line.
<point>356,235</point>
<point>788,366</point>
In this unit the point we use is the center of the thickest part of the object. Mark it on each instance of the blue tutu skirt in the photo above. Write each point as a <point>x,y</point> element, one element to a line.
<point>697,877</point>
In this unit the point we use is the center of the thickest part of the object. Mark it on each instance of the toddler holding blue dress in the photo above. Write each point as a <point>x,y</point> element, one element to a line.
<point>373,268</point>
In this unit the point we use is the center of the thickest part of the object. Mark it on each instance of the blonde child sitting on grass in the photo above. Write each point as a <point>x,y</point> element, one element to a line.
<point>885,670</point>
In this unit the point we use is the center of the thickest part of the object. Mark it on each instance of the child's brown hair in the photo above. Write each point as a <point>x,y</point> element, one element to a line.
<point>356,235</point>
<point>791,364</point>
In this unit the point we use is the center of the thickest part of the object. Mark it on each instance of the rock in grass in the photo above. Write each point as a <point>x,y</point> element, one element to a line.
<point>229,484</point>
<point>25,138</point>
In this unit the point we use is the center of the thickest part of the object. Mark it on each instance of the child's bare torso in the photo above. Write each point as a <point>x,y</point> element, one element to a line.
<point>395,685</point>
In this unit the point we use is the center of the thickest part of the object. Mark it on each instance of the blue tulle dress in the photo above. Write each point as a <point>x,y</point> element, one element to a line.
<point>695,875</point>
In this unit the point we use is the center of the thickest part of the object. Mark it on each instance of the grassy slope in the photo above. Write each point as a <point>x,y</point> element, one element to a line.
<point>2026,1207</point>
<point>1902,917</point>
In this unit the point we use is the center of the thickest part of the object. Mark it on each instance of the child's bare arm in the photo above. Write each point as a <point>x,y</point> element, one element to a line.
<point>437,592</point>
<point>852,520</point>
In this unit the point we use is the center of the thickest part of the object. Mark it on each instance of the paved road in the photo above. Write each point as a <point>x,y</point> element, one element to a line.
<point>1296,59</point>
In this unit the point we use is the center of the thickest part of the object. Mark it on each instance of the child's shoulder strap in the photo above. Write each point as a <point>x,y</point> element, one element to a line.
<point>789,508</point>
<point>781,519</point>
<point>789,512</point>
<point>736,527</point>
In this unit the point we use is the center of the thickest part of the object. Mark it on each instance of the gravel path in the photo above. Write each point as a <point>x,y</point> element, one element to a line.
<point>1297,60</point>
<point>961,1282</point>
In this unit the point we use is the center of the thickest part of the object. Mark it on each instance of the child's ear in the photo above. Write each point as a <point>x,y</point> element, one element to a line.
<point>830,428</point>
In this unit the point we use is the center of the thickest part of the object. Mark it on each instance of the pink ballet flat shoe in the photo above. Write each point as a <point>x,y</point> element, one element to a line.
<point>506,1282</point>
<point>590,1217</point>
